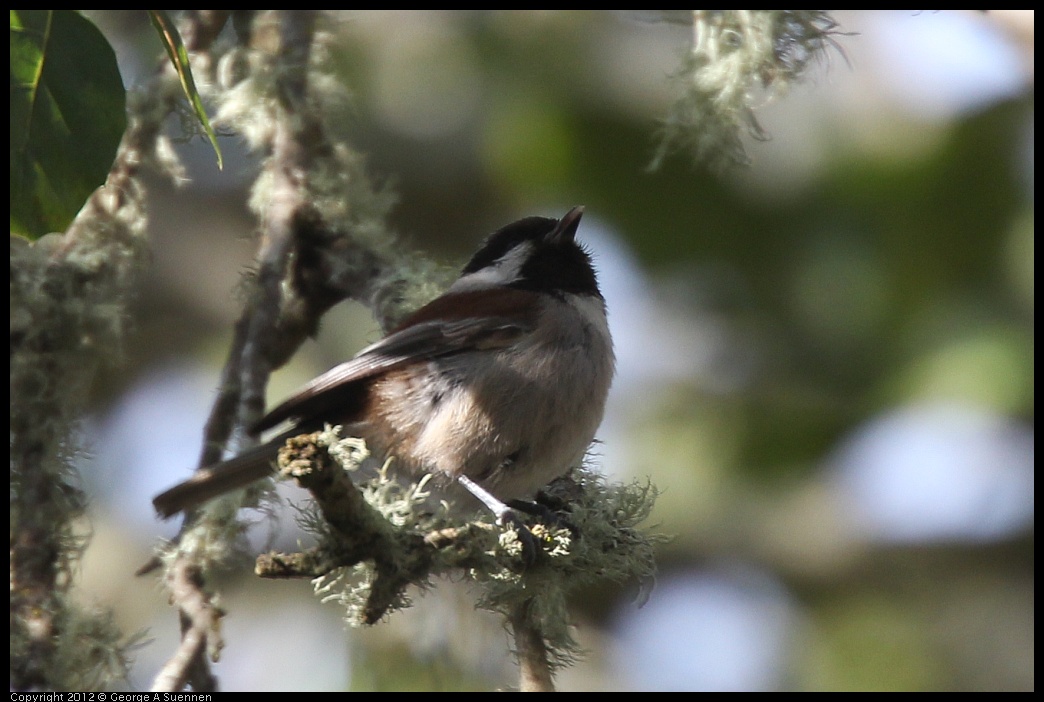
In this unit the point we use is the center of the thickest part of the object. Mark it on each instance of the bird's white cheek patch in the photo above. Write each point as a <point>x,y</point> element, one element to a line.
<point>502,272</point>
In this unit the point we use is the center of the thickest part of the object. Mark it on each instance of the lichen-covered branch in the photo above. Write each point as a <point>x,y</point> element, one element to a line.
<point>378,536</point>
<point>70,297</point>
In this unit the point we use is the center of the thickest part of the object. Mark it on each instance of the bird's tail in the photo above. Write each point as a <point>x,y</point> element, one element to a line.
<point>208,483</point>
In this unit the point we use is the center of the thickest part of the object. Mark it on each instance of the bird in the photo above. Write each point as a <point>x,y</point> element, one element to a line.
<point>498,385</point>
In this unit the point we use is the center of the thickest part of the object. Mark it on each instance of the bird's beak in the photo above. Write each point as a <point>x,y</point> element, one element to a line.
<point>565,230</point>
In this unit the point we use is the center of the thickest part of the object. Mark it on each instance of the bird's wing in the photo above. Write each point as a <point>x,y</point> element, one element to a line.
<point>426,335</point>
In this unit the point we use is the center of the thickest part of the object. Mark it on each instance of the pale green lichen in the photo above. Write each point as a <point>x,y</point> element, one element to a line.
<point>739,59</point>
<point>603,541</point>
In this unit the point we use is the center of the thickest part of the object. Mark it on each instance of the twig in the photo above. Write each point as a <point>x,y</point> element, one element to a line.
<point>198,618</point>
<point>534,669</point>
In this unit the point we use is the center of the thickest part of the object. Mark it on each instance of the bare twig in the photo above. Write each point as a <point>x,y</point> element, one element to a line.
<point>199,618</point>
<point>531,651</point>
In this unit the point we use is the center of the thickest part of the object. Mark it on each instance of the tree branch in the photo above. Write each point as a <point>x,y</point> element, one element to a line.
<point>199,618</point>
<point>531,651</point>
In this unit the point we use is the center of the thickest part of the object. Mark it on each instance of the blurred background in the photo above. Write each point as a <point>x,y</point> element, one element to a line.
<point>825,359</point>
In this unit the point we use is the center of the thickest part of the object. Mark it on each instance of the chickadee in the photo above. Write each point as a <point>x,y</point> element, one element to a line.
<point>498,385</point>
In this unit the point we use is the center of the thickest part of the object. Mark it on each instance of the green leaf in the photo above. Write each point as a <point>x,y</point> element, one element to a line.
<point>179,58</point>
<point>68,114</point>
